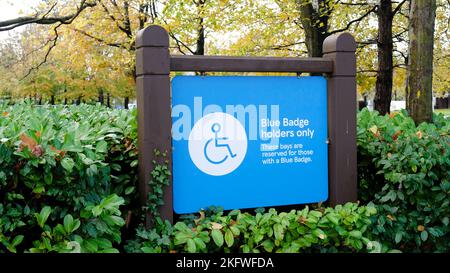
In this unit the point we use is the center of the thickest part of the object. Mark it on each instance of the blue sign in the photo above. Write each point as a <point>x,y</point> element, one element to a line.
<point>248,141</point>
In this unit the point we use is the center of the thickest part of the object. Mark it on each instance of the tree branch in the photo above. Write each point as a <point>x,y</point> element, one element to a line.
<point>399,6</point>
<point>113,18</point>
<point>280,47</point>
<point>349,24</point>
<point>44,20</point>
<point>52,42</point>
<point>118,45</point>
<point>180,43</point>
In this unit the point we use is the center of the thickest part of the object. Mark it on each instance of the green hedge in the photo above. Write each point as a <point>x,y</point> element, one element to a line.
<point>343,228</point>
<point>68,179</point>
<point>65,165</point>
<point>405,170</point>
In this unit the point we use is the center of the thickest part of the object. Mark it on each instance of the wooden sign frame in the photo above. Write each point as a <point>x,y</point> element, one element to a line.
<point>154,64</point>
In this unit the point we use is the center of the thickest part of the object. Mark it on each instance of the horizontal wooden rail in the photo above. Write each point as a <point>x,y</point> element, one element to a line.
<point>249,64</point>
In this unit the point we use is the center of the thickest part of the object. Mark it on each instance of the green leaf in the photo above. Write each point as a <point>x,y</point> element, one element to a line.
<point>191,248</point>
<point>341,231</point>
<point>109,250</point>
<point>181,238</point>
<point>245,249</point>
<point>357,244</point>
<point>278,231</point>
<point>17,240</point>
<point>68,223</point>
<point>112,201</point>
<point>134,163</point>
<point>424,235</point>
<point>235,230</point>
<point>268,245</point>
<point>333,218</point>
<point>39,189</point>
<point>48,178</point>
<point>43,216</point>
<point>97,210</point>
<point>229,238</point>
<point>103,243</point>
<point>199,243</point>
<point>315,213</point>
<point>101,147</point>
<point>90,246</point>
<point>67,164</point>
<point>391,195</point>
<point>26,210</point>
<point>398,237</point>
<point>217,237</point>
<point>356,234</point>
<point>146,249</point>
<point>114,220</point>
<point>319,233</point>
<point>129,190</point>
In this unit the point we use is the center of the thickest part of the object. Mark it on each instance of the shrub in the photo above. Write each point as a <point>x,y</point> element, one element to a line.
<point>63,160</point>
<point>65,171</point>
<point>404,169</point>
<point>343,228</point>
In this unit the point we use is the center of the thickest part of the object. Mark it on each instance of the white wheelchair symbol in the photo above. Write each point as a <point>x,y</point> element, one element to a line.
<point>215,128</point>
<point>217,144</point>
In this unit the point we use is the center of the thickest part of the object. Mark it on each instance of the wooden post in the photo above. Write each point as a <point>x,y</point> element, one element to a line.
<point>154,110</point>
<point>341,118</point>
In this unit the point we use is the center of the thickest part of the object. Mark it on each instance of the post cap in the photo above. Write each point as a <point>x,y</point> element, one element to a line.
<point>339,42</point>
<point>153,35</point>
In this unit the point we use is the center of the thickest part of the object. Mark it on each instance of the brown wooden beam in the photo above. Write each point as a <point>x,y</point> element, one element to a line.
<point>249,64</point>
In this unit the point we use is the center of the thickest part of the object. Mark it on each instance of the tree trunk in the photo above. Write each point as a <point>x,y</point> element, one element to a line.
<point>406,81</point>
<point>314,19</point>
<point>126,101</point>
<point>52,99</point>
<point>65,95</point>
<point>101,97</point>
<point>383,94</point>
<point>420,68</point>
<point>200,49</point>
<point>108,101</point>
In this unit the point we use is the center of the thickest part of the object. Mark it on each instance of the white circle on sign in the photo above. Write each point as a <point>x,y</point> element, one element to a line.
<point>217,144</point>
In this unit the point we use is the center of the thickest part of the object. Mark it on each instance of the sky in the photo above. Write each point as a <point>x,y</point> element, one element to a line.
<point>10,9</point>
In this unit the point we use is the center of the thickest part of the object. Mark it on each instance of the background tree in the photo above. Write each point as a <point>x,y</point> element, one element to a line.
<point>420,69</point>
<point>89,57</point>
<point>441,63</point>
<point>383,94</point>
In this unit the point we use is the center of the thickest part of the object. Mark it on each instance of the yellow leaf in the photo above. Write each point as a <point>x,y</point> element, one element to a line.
<point>216,226</point>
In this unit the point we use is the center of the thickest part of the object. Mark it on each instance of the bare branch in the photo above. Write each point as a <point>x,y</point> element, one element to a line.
<point>285,46</point>
<point>180,43</point>
<point>349,24</point>
<point>100,40</point>
<point>399,6</point>
<point>52,42</point>
<point>44,20</point>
